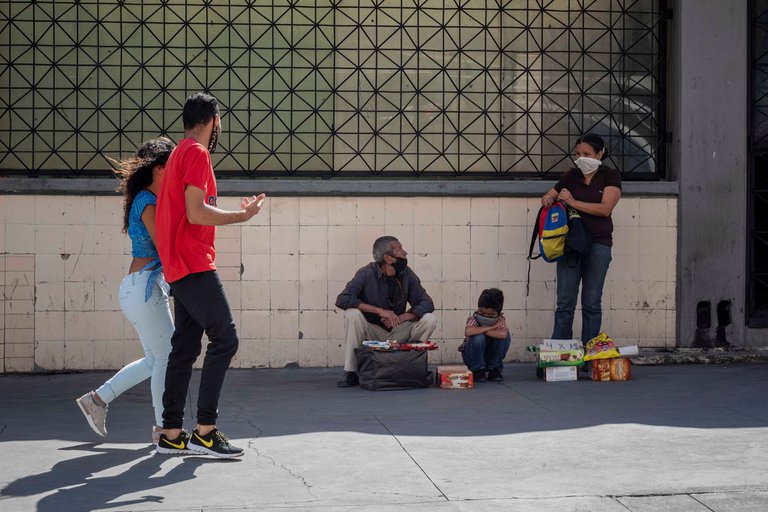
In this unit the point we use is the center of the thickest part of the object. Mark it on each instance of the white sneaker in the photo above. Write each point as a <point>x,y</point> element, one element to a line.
<point>95,414</point>
<point>156,431</point>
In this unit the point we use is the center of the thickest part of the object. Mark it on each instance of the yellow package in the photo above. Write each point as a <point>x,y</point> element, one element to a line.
<point>601,347</point>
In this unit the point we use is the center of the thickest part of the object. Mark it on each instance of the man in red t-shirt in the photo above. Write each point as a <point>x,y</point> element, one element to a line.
<point>186,219</point>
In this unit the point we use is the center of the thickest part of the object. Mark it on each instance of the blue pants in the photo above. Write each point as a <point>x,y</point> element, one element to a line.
<point>590,271</point>
<point>153,322</point>
<point>482,352</point>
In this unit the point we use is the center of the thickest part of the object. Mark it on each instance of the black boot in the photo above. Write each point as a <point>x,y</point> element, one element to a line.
<point>495,375</point>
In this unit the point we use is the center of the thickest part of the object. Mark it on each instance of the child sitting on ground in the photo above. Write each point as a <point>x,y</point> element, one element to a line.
<point>487,338</point>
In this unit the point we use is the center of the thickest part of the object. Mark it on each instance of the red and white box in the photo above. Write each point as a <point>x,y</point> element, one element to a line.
<point>454,377</point>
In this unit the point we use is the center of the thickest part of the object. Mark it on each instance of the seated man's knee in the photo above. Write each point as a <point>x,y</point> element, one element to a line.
<point>353,315</point>
<point>430,320</point>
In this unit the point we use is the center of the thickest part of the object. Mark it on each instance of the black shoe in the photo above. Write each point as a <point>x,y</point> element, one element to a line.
<point>350,380</point>
<point>178,446</point>
<point>495,375</point>
<point>479,376</point>
<point>213,443</point>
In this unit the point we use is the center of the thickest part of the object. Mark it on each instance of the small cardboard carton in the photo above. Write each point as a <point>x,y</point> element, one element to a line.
<point>561,358</point>
<point>560,373</point>
<point>559,345</point>
<point>614,369</point>
<point>454,377</point>
<point>560,353</point>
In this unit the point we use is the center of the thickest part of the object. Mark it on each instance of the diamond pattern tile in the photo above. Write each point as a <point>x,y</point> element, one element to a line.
<point>336,88</point>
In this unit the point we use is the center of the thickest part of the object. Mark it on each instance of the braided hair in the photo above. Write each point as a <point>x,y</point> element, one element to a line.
<point>135,173</point>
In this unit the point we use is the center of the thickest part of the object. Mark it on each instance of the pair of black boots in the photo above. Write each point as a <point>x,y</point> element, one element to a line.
<point>494,375</point>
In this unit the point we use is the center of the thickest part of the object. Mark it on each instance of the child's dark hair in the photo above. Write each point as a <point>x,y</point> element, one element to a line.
<point>491,298</point>
<point>595,141</point>
<point>135,173</point>
<point>199,108</point>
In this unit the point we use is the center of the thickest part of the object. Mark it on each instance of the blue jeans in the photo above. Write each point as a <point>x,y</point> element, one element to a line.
<point>590,271</point>
<point>154,324</point>
<point>482,352</point>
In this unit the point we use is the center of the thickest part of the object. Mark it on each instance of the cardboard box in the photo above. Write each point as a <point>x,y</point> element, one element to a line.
<point>454,377</point>
<point>560,373</point>
<point>559,353</point>
<point>559,345</point>
<point>614,369</point>
<point>630,350</point>
<point>561,358</point>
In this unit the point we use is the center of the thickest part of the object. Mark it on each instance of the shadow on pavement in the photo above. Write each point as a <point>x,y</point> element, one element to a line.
<point>76,488</point>
<point>275,402</point>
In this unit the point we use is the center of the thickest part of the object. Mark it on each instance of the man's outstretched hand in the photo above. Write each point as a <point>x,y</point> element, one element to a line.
<point>252,205</point>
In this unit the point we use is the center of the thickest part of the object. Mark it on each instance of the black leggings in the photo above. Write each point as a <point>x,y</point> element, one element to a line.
<point>200,306</point>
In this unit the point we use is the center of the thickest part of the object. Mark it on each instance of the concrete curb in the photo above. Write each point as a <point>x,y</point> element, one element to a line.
<point>337,187</point>
<point>718,355</point>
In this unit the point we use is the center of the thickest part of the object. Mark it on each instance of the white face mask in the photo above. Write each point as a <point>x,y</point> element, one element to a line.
<point>587,165</point>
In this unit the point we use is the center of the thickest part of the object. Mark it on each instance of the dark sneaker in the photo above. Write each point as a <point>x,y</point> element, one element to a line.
<point>178,446</point>
<point>479,376</point>
<point>350,380</point>
<point>495,375</point>
<point>213,443</point>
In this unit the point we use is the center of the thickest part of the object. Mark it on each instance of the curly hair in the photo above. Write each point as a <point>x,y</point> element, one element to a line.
<point>135,173</point>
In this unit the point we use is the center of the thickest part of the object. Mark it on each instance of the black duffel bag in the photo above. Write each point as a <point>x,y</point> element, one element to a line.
<point>380,370</point>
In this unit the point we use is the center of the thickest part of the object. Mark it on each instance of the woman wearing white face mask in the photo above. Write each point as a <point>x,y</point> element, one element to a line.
<point>593,190</point>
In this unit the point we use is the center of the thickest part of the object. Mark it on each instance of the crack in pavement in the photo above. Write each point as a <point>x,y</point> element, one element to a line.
<point>699,501</point>
<point>259,431</point>
<point>532,400</point>
<point>687,493</point>
<point>414,460</point>
<point>283,466</point>
<point>240,416</point>
<point>737,411</point>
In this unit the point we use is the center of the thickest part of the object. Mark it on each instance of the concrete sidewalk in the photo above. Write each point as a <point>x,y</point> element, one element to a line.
<point>674,438</point>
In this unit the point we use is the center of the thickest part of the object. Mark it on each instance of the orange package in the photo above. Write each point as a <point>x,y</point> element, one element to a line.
<point>601,370</point>
<point>617,369</point>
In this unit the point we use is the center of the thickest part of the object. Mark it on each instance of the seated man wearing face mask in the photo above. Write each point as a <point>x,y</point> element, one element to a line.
<point>487,338</point>
<point>375,303</point>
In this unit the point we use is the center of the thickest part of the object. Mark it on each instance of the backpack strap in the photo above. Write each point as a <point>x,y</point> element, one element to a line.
<point>534,235</point>
<point>533,238</point>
